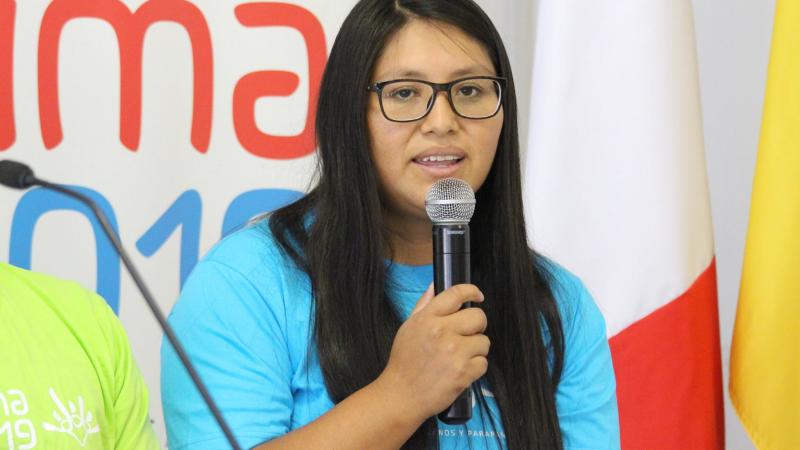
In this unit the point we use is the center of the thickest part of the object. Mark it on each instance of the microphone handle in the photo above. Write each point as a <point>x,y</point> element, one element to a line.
<point>451,266</point>
<point>148,297</point>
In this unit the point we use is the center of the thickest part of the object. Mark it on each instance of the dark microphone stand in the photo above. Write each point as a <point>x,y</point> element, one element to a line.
<point>19,176</point>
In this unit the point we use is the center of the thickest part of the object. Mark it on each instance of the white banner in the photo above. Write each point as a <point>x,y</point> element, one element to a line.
<point>181,119</point>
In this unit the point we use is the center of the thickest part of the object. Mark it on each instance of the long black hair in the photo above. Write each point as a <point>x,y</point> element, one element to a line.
<point>343,248</point>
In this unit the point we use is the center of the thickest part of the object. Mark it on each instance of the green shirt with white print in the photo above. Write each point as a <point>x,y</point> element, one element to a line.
<point>67,376</point>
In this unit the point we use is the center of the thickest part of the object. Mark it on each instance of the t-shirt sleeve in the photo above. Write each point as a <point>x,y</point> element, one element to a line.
<point>233,326</point>
<point>130,413</point>
<point>586,396</point>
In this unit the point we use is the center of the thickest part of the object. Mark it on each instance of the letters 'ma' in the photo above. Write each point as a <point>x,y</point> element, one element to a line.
<point>130,29</point>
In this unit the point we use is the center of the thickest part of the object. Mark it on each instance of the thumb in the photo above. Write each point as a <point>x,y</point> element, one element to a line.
<point>424,300</point>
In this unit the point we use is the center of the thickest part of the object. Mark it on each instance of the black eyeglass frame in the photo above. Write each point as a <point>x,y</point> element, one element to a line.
<point>439,87</point>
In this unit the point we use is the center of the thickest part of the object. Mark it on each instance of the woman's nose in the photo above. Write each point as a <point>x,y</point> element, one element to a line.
<point>442,119</point>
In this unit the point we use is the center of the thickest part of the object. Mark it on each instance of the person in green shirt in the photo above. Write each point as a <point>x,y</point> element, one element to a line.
<point>67,376</point>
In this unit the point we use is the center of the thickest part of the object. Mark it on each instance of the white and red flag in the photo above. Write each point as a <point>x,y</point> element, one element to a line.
<point>617,193</point>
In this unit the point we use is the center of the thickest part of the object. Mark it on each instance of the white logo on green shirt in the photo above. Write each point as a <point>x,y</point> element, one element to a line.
<point>73,421</point>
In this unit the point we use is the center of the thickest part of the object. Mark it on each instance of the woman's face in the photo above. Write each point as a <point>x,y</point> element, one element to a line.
<point>410,157</point>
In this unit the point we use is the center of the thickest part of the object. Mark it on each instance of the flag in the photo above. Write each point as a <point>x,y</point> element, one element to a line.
<point>616,192</point>
<point>765,360</point>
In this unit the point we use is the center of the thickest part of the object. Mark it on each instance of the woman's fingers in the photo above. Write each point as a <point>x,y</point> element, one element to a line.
<point>477,345</point>
<point>450,301</point>
<point>469,321</point>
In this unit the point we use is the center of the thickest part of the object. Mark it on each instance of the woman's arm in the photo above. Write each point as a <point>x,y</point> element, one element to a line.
<point>437,353</point>
<point>373,417</point>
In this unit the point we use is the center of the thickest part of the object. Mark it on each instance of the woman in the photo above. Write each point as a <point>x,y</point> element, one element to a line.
<point>317,327</point>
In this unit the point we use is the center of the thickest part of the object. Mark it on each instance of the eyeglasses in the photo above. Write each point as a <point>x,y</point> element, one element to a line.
<point>407,100</point>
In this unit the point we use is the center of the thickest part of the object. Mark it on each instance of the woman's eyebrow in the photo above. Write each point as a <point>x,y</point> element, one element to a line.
<point>472,70</point>
<point>463,72</point>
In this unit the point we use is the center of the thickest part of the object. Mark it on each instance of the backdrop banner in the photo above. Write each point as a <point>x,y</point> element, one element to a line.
<point>182,119</point>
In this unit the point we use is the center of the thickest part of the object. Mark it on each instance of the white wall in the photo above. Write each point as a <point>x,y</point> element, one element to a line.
<point>733,39</point>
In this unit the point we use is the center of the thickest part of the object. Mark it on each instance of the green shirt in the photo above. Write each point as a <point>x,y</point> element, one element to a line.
<point>67,376</point>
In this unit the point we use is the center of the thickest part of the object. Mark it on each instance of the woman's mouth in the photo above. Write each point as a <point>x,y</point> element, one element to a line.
<point>439,160</point>
<point>439,166</point>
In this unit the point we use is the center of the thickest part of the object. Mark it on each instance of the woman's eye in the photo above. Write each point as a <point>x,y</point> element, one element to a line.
<point>469,91</point>
<point>402,93</point>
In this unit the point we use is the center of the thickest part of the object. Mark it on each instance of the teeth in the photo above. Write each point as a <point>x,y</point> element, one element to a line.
<point>440,158</point>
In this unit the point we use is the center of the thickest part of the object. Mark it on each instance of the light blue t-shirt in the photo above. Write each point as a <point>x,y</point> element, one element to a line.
<point>244,317</point>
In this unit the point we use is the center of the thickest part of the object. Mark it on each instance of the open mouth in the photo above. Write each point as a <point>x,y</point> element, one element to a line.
<point>439,160</point>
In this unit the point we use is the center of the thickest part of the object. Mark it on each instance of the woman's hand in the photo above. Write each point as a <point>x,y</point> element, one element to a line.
<point>438,352</point>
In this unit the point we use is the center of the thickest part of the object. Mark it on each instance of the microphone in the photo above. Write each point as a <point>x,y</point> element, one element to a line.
<point>450,204</point>
<point>19,176</point>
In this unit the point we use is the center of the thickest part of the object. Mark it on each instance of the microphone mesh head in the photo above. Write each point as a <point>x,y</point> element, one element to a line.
<point>450,200</point>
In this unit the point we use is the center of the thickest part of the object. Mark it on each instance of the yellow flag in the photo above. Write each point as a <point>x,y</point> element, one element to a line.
<point>765,357</point>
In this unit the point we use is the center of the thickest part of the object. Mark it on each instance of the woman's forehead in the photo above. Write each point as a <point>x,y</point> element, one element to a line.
<point>433,51</point>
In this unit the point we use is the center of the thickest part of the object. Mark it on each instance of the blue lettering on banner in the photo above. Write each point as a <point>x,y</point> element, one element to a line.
<point>38,202</point>
<point>185,212</point>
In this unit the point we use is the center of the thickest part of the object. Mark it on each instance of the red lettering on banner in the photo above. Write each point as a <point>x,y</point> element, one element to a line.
<point>279,83</point>
<point>7,129</point>
<point>130,29</point>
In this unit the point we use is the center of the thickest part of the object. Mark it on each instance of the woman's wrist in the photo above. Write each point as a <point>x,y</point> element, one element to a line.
<point>406,412</point>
